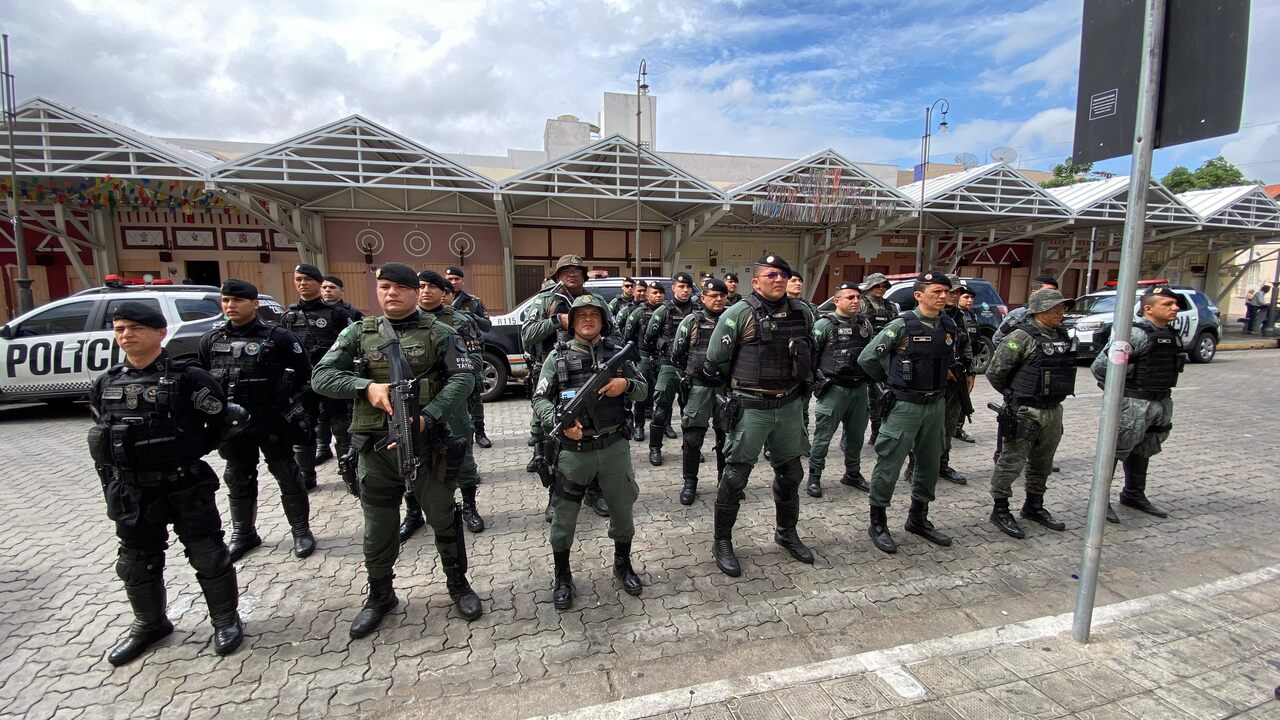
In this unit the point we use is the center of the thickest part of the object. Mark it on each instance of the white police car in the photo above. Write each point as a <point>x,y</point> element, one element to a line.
<point>1198,321</point>
<point>55,352</point>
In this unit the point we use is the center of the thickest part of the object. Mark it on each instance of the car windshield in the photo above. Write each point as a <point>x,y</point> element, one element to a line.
<point>1092,304</point>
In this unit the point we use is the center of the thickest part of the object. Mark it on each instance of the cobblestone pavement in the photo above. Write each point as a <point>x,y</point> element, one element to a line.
<point>62,608</point>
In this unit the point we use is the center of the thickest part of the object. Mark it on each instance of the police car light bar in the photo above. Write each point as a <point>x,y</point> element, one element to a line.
<point>119,281</point>
<point>1156,281</point>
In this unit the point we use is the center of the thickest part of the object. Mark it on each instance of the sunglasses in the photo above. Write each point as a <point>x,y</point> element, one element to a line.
<point>776,275</point>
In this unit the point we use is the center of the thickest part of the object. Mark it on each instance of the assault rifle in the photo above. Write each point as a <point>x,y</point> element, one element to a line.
<point>589,394</point>
<point>402,427</point>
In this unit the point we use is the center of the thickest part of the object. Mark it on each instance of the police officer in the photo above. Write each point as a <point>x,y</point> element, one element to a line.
<point>765,344</point>
<point>1016,315</point>
<point>1034,368</point>
<point>969,324</point>
<point>317,325</point>
<point>637,324</point>
<point>879,312</point>
<point>432,290</point>
<point>701,384</point>
<point>358,368</point>
<point>547,322</point>
<point>913,354</point>
<point>623,298</point>
<point>795,289</point>
<point>595,448</point>
<point>473,306</point>
<point>839,338</point>
<point>154,418</point>
<point>264,369</point>
<point>655,348</point>
<point>957,404</point>
<point>638,294</point>
<point>731,282</point>
<point>1146,416</point>
<point>331,291</point>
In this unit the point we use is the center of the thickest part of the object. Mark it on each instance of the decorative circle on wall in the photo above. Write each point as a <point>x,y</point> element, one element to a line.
<point>417,243</point>
<point>462,244</point>
<point>369,241</point>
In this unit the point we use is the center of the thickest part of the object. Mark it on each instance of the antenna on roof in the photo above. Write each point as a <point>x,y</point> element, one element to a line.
<point>967,160</point>
<point>1004,154</point>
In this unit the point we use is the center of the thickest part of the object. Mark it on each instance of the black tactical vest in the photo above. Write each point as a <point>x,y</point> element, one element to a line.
<point>463,325</point>
<point>242,365</point>
<point>971,327</point>
<point>141,425</point>
<point>922,367</point>
<point>642,322</point>
<point>674,315</point>
<point>699,341</point>
<point>574,367</point>
<point>1049,375</point>
<point>780,354</point>
<point>882,316</point>
<point>1157,369</point>
<point>839,358</point>
<point>317,327</point>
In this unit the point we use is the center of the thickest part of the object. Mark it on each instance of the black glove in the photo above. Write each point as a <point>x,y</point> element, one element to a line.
<point>235,419</point>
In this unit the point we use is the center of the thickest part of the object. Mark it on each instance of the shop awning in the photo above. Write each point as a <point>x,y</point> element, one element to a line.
<point>989,195</point>
<point>1244,208</point>
<point>1106,202</point>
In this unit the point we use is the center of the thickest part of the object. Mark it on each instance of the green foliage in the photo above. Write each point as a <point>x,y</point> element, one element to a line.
<point>1214,173</point>
<point>1068,173</point>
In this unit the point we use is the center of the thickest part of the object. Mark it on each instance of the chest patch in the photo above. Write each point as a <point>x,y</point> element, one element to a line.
<point>922,338</point>
<point>321,322</point>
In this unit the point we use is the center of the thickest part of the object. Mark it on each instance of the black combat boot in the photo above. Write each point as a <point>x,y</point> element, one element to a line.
<point>638,418</point>
<point>918,523</point>
<point>786,515</point>
<point>222,596</point>
<point>149,622</point>
<point>622,568</point>
<point>946,472</point>
<point>412,517</point>
<point>304,456</point>
<point>244,536</point>
<point>562,596</point>
<point>595,499</point>
<point>855,480</point>
<point>452,548</point>
<point>539,457</point>
<point>1112,517</point>
<point>814,486</point>
<point>382,600</point>
<point>481,438</point>
<point>655,452</point>
<point>878,531</point>
<point>296,510</point>
<point>963,436</point>
<point>1135,486</point>
<point>669,432</point>
<point>722,546</point>
<point>1033,510</point>
<point>689,470</point>
<point>470,515</point>
<point>1003,519</point>
<point>323,453</point>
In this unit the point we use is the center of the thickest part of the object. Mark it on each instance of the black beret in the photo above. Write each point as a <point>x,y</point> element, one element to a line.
<point>398,273</point>
<point>140,313</point>
<point>431,277</point>
<point>642,283</point>
<point>1046,280</point>
<point>966,290</point>
<point>717,285</point>
<point>454,270</point>
<point>239,289</point>
<point>333,279</point>
<point>310,271</point>
<point>774,261</point>
<point>655,285</point>
<point>731,276</point>
<point>685,278</point>
<point>628,280</point>
<point>933,277</point>
<point>849,285</point>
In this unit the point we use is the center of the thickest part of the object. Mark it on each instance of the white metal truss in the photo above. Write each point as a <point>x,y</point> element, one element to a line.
<point>601,181</point>
<point>811,187</point>
<point>1107,202</point>
<point>1240,208</point>
<point>989,193</point>
<point>55,141</point>
<point>350,156</point>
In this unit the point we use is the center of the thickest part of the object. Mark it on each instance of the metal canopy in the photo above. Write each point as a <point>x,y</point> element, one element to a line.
<point>356,164</point>
<point>1106,202</point>
<point>993,194</point>
<point>55,141</point>
<point>601,182</point>
<point>819,191</point>
<point>1244,208</point>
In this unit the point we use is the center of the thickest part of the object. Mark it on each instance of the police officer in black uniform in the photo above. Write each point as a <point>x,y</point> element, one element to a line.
<point>264,369</point>
<point>317,325</point>
<point>464,301</point>
<point>637,325</point>
<point>154,418</point>
<point>331,289</point>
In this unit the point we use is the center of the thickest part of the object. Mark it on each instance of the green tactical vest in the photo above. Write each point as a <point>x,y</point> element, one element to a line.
<point>454,318</point>
<point>419,345</point>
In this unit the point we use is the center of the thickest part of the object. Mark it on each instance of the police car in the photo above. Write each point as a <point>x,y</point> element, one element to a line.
<point>55,352</point>
<point>1198,323</point>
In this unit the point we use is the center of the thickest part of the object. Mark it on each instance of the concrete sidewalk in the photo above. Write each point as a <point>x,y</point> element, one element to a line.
<point>1211,651</point>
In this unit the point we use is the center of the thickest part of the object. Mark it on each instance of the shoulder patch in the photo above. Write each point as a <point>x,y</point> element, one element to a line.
<point>1012,345</point>
<point>543,384</point>
<point>205,402</point>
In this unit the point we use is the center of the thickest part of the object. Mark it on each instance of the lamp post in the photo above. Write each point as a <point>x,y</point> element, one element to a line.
<point>642,89</point>
<point>924,170</point>
<point>25,301</point>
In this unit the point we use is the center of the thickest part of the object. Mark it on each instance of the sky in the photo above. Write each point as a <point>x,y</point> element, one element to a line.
<point>479,76</point>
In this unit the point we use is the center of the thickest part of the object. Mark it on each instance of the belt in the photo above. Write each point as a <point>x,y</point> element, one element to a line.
<point>918,398</point>
<point>1040,403</point>
<point>758,402</point>
<point>1140,394</point>
<point>848,382</point>
<point>155,477</point>
<point>599,442</point>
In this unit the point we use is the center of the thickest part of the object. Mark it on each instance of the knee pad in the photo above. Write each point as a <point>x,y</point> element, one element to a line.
<point>735,475</point>
<point>139,567</point>
<point>693,438</point>
<point>285,471</point>
<point>787,479</point>
<point>208,556</point>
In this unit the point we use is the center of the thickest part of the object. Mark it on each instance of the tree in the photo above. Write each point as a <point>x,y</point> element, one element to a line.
<point>1068,173</point>
<point>1216,172</point>
<point>1179,180</point>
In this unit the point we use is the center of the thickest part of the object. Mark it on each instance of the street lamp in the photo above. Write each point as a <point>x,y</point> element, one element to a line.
<point>10,100</point>
<point>924,170</point>
<point>642,89</point>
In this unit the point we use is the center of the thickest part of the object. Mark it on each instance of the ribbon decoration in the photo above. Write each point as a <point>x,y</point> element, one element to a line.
<point>818,196</point>
<point>114,194</point>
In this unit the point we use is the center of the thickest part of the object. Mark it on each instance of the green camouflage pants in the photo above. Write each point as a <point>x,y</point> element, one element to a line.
<point>840,406</point>
<point>611,466</point>
<point>1035,456</point>
<point>664,394</point>
<point>381,489</point>
<point>908,428</point>
<point>1144,426</point>
<point>782,428</point>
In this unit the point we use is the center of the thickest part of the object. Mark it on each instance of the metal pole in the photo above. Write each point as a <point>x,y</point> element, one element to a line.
<point>1126,287</point>
<point>25,301</point>
<point>1093,248</point>
<point>924,176</point>
<point>1270,322</point>
<point>639,104</point>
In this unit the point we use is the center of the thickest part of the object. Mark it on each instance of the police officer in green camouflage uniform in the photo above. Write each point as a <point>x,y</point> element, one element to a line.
<point>655,348</point>
<point>879,312</point>
<point>1034,368</point>
<point>731,282</point>
<point>594,449</point>
<point>633,301</point>
<point>839,338</point>
<point>473,307</point>
<point>622,299</point>
<point>356,367</point>
<point>956,394</point>
<point>701,385</point>
<point>1146,416</point>
<point>913,355</point>
<point>432,291</point>
<point>765,344</point>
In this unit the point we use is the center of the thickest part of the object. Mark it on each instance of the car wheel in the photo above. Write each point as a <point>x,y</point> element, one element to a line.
<point>982,355</point>
<point>1204,348</point>
<point>494,374</point>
